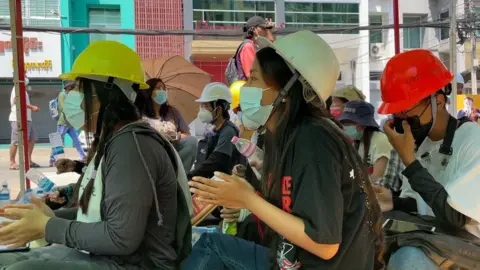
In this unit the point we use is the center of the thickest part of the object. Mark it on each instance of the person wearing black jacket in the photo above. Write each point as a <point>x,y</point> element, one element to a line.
<point>216,151</point>
<point>439,152</point>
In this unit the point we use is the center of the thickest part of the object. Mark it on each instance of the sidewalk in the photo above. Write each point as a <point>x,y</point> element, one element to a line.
<point>40,156</point>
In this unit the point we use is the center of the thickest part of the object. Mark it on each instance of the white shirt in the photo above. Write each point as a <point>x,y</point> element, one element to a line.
<point>13,109</point>
<point>460,176</point>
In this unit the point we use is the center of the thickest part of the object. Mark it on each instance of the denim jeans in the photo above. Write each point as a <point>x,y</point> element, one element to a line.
<point>215,251</point>
<point>411,258</point>
<point>48,258</point>
<point>74,135</point>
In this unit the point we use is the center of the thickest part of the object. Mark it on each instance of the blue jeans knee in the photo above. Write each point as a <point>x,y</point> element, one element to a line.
<point>411,258</point>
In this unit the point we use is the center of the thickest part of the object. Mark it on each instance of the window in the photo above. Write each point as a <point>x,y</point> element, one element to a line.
<point>376,36</point>
<point>34,12</point>
<point>444,32</point>
<point>104,18</point>
<point>375,75</point>
<point>412,37</point>
<point>312,15</point>
<point>477,11</point>
<point>229,14</point>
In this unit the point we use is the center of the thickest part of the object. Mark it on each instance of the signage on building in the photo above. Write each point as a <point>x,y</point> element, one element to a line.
<point>43,57</point>
<point>28,45</point>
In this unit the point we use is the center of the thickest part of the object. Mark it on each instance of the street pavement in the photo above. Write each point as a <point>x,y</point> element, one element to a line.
<point>41,157</point>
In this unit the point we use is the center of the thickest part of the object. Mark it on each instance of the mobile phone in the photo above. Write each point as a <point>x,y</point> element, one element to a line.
<point>404,226</point>
<point>6,249</point>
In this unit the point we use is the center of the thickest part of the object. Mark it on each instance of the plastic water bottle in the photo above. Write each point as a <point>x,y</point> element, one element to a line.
<point>39,194</point>
<point>26,197</point>
<point>4,195</point>
<point>42,181</point>
<point>58,151</point>
<point>250,151</point>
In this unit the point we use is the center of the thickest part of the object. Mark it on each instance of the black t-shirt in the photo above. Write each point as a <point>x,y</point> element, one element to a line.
<point>318,186</point>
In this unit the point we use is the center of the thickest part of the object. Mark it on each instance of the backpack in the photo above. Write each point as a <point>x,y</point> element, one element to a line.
<point>234,70</point>
<point>53,109</point>
<point>449,249</point>
<point>182,242</point>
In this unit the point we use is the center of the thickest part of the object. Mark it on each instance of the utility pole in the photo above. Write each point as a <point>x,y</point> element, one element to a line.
<point>396,26</point>
<point>20,93</point>
<point>473,43</point>
<point>453,56</point>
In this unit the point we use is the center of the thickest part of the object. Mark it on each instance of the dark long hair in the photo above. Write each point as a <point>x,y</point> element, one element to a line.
<point>164,108</point>
<point>367,141</point>
<point>115,109</point>
<point>293,114</point>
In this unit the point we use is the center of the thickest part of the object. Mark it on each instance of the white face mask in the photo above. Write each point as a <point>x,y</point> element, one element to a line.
<point>204,115</point>
<point>72,108</point>
<point>254,115</point>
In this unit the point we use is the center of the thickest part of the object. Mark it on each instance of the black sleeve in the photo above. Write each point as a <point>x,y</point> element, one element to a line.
<point>220,159</point>
<point>317,188</point>
<point>217,161</point>
<point>434,194</point>
<point>79,167</point>
<point>407,205</point>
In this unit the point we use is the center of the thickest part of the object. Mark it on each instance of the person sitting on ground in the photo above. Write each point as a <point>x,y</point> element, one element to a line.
<point>372,144</point>
<point>153,106</point>
<point>216,151</point>
<point>319,206</point>
<point>341,96</point>
<point>439,178</point>
<point>131,212</point>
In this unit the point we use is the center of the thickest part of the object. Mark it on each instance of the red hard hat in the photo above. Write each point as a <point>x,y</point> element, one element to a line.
<point>410,77</point>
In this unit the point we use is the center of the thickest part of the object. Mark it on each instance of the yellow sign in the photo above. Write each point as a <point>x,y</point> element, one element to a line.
<point>468,105</point>
<point>45,65</point>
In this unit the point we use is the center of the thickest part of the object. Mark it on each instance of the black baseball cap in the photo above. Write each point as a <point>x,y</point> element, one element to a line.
<point>256,21</point>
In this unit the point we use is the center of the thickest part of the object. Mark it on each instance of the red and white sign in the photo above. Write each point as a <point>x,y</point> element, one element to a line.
<point>43,54</point>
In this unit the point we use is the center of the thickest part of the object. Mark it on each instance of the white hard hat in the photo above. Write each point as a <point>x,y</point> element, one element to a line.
<point>311,56</point>
<point>215,91</point>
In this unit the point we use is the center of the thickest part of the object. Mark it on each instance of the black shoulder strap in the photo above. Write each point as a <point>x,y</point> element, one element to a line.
<point>240,47</point>
<point>446,147</point>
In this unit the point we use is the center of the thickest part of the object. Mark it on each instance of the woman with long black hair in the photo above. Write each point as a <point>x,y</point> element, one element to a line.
<point>358,119</point>
<point>131,212</point>
<point>318,203</point>
<point>154,108</point>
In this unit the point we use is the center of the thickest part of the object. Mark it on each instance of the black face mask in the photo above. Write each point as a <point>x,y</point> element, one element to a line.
<point>419,131</point>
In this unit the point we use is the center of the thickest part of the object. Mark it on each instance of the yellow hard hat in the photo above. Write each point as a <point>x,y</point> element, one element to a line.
<point>110,59</point>
<point>235,90</point>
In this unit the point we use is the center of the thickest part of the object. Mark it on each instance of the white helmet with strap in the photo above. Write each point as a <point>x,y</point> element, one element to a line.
<point>215,91</point>
<point>311,57</point>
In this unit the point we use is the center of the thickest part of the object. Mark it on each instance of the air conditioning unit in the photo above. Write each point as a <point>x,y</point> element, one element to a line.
<point>376,50</point>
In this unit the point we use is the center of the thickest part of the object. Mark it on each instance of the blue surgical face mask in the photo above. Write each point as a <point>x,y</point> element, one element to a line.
<point>72,108</point>
<point>161,96</point>
<point>353,133</point>
<point>254,115</point>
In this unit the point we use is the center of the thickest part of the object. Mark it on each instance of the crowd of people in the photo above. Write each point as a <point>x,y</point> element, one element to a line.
<point>330,179</point>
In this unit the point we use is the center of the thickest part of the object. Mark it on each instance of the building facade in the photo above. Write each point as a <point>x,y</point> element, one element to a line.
<point>43,64</point>
<point>362,54</point>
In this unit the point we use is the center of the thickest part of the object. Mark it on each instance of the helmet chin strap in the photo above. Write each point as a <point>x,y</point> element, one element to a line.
<point>433,102</point>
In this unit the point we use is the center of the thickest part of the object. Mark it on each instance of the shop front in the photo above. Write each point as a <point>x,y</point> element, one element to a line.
<point>43,64</point>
